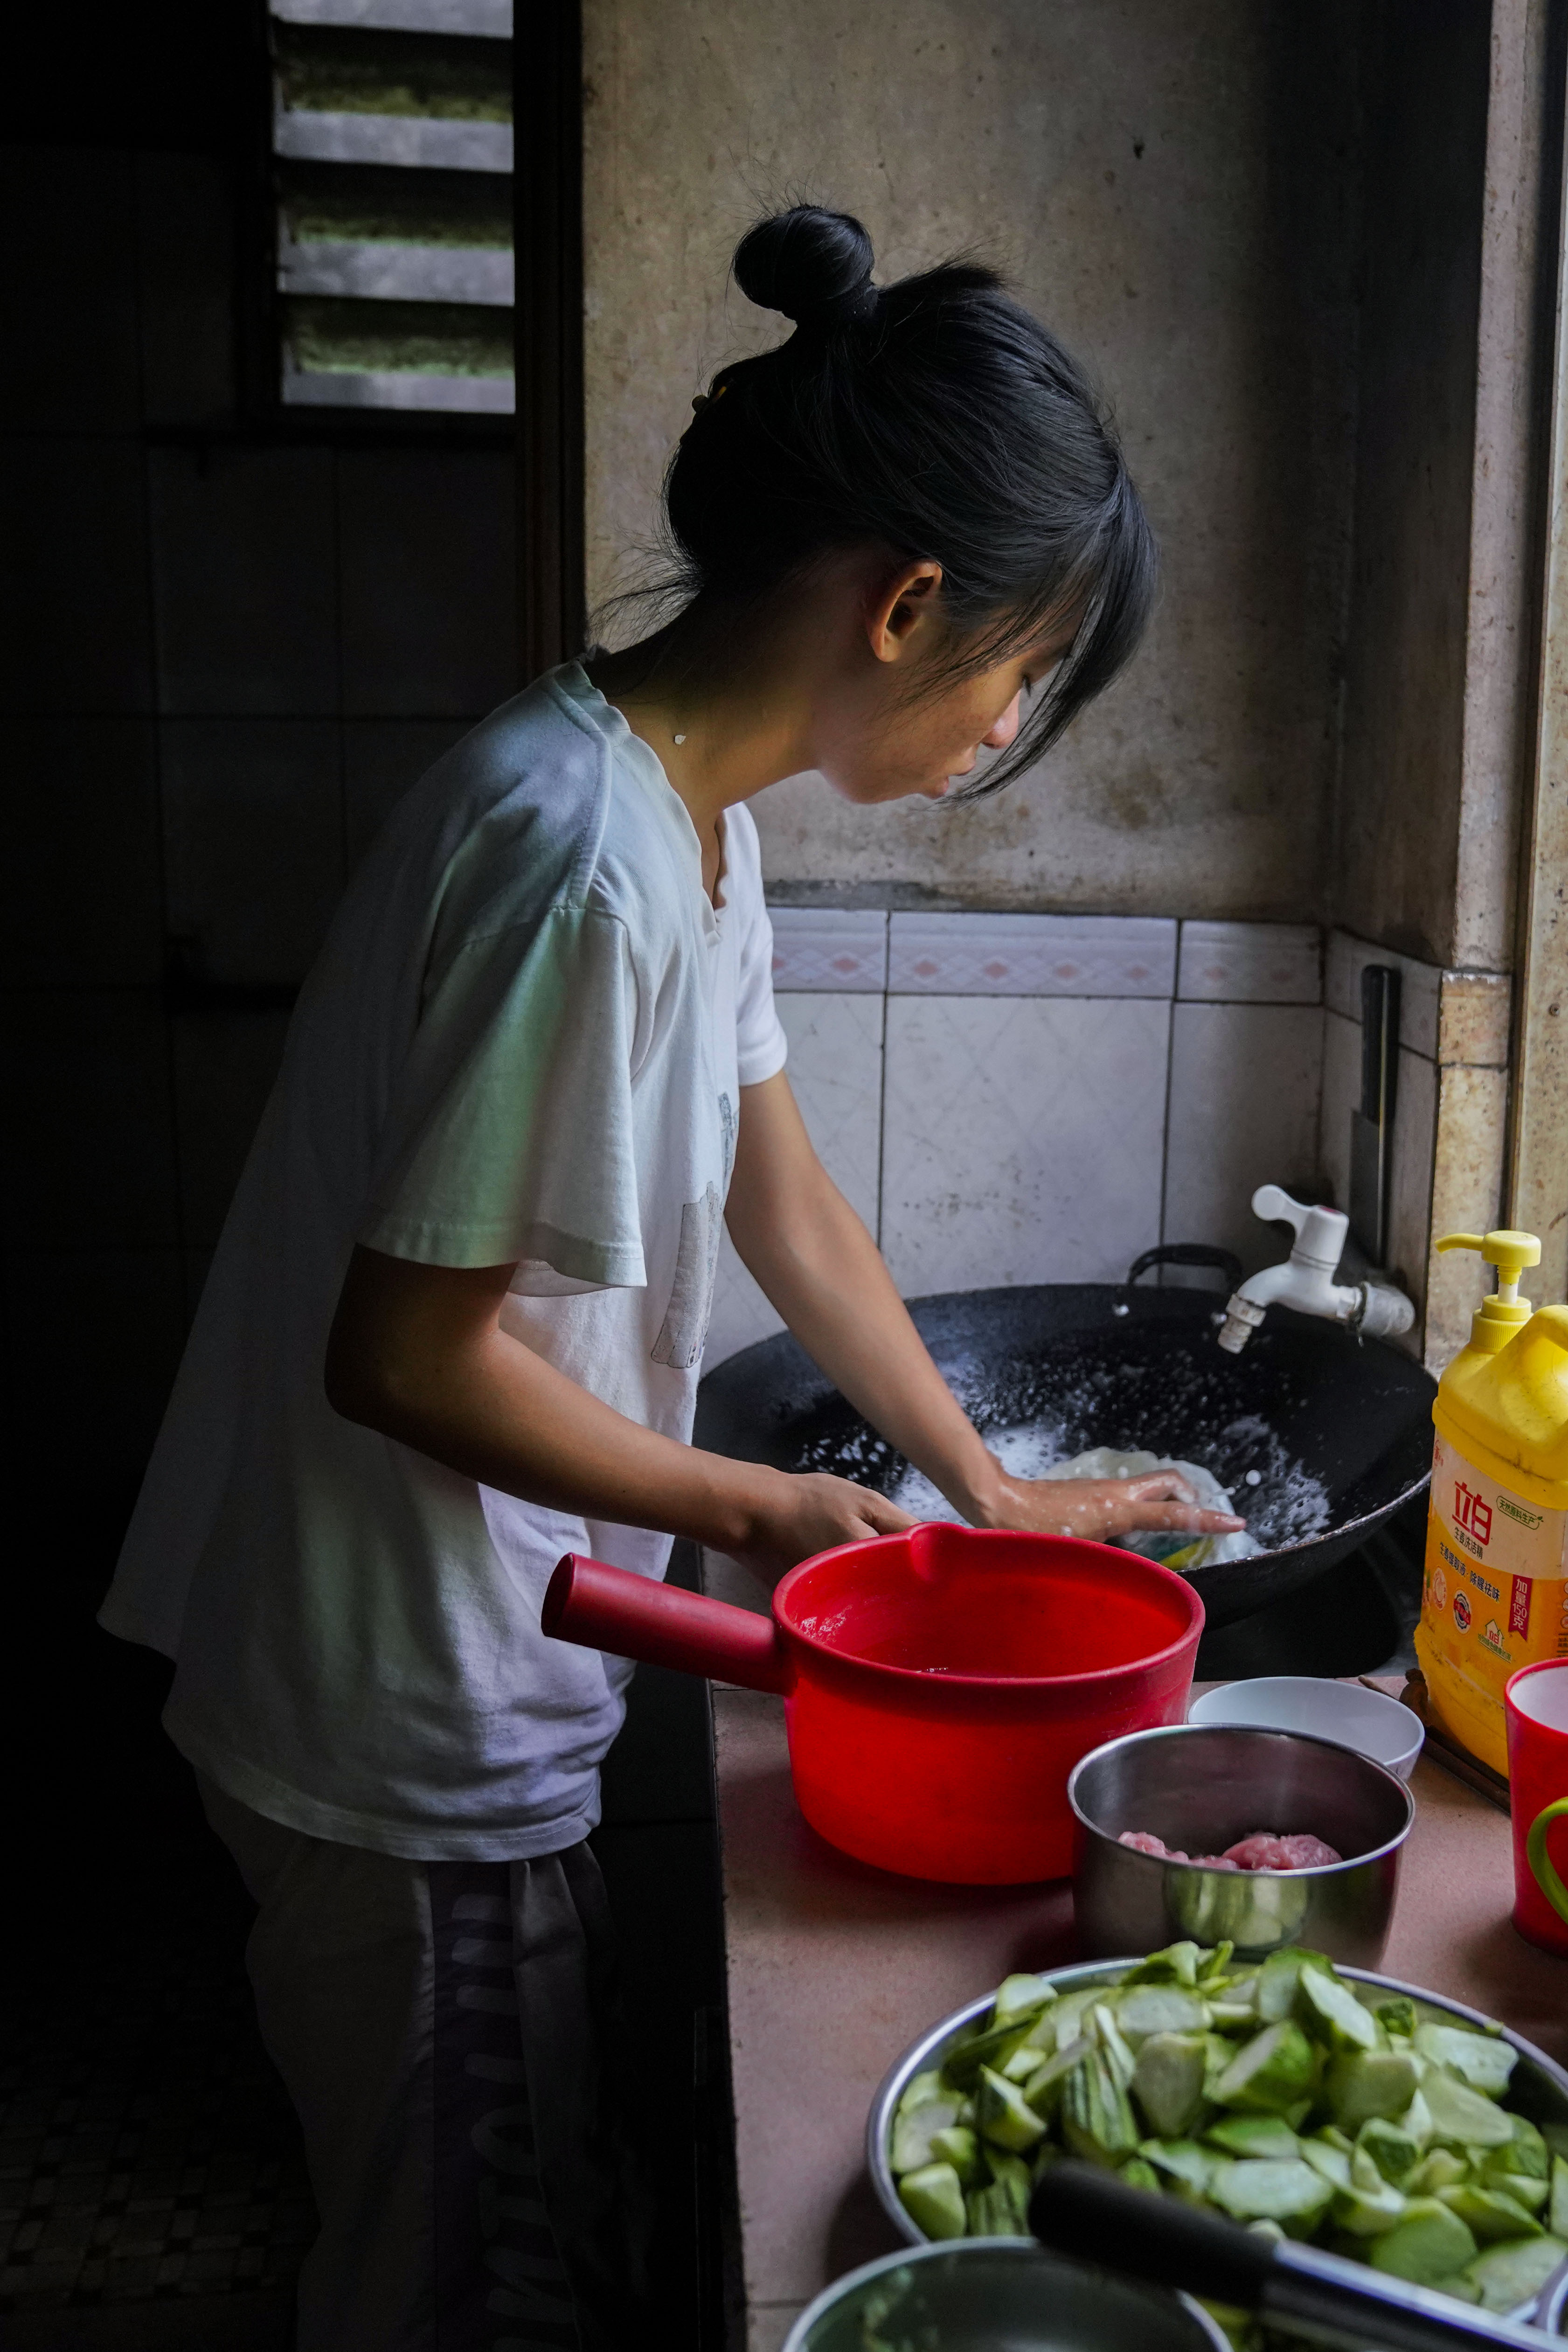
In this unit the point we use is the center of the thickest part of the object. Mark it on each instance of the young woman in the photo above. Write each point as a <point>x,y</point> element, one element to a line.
<point>456,1323</point>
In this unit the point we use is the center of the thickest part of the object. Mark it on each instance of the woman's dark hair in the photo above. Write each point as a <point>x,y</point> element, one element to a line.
<point>936,417</point>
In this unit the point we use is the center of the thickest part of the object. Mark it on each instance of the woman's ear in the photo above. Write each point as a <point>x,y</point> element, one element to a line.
<point>904,602</point>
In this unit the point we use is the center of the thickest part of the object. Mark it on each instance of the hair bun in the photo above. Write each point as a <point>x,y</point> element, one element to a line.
<point>810,265</point>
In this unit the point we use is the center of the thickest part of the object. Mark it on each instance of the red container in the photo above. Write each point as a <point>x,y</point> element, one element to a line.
<point>1535,1702</point>
<point>938,1686</point>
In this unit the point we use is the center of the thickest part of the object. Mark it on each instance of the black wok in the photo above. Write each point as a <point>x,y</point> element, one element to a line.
<point>1111,1365</point>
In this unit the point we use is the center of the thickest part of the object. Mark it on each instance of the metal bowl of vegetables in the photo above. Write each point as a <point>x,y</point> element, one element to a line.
<point>1297,2096</point>
<point>998,2294</point>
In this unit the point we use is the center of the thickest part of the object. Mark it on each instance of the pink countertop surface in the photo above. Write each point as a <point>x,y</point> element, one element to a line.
<point>834,1968</point>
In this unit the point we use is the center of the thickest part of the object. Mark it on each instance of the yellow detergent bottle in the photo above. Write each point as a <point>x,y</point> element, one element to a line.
<point>1494,1598</point>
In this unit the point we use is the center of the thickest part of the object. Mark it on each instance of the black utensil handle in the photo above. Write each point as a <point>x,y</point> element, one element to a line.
<point>1224,1261</point>
<point>1080,2210</point>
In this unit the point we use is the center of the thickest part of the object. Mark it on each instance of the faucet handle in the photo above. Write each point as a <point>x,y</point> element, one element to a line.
<point>1320,1233</point>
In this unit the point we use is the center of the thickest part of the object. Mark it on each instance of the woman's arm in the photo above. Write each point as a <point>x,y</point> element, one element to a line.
<point>418,1353</point>
<point>824,1273</point>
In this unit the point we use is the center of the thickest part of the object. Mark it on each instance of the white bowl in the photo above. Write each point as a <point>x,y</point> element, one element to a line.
<point>1347,1713</point>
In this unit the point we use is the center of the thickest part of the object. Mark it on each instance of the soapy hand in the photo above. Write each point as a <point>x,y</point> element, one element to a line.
<point>1104,1509</point>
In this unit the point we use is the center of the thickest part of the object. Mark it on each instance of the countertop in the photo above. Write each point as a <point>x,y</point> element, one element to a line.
<point>834,1968</point>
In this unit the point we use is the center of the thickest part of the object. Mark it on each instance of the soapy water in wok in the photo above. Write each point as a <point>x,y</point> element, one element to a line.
<point>1103,1428</point>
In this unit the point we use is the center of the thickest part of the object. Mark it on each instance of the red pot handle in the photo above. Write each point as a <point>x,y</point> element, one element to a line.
<point>610,1609</point>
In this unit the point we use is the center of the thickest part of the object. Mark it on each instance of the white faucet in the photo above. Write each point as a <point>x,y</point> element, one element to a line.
<point>1305,1280</point>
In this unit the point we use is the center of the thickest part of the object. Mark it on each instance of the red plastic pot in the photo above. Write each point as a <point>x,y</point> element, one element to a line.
<point>938,1686</point>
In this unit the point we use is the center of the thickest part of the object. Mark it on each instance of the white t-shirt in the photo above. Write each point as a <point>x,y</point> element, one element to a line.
<point>524,1039</point>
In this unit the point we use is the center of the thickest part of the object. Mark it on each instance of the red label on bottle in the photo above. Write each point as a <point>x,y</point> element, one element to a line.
<point>1518,1605</point>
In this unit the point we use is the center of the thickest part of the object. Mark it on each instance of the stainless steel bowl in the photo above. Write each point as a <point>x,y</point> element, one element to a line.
<point>1539,2089</point>
<point>1000,2294</point>
<point>1200,1786</point>
<point>1551,2312</point>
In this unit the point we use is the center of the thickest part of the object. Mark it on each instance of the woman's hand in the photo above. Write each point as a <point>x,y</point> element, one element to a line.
<point>1101,1510</point>
<point>796,1516</point>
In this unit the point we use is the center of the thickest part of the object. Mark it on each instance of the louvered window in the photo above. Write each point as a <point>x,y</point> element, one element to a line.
<point>392,172</point>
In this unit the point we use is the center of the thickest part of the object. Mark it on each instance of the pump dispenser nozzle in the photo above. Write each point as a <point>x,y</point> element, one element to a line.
<point>1502,1310</point>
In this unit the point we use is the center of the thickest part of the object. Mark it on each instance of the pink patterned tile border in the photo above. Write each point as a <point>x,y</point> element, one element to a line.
<point>1250,963</point>
<point>821,949</point>
<point>1031,955</point>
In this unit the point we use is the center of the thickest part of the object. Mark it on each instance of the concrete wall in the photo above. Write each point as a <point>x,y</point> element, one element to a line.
<point>1173,184</point>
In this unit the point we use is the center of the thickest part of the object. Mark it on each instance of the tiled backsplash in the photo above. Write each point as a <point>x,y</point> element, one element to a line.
<point>1015,1098</point>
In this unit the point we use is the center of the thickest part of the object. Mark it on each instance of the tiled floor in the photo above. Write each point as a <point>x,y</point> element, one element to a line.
<point>147,2150</point>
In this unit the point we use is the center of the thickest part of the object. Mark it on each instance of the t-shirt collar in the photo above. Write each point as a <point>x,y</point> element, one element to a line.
<point>642,761</point>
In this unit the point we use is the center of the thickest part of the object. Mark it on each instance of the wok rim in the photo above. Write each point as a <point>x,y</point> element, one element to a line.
<point>1096,1678</point>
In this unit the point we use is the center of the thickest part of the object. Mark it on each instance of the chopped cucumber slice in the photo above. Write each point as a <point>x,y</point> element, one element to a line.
<point>1138,2173</point>
<point>1332,2162</point>
<point>1021,1997</point>
<point>1258,2136</point>
<point>1278,1978</point>
<point>934,2201</point>
<point>1527,2153</point>
<point>1511,2274</point>
<point>1270,2072</point>
<point>1558,2216</point>
<point>1391,2148</point>
<point>1372,2083</point>
<point>1330,2013</point>
<point>1487,2213</point>
<point>1484,2061</point>
<point>1043,2088</point>
<point>1463,2117</point>
<point>1426,2247</point>
<point>1366,2212</point>
<point>1004,2115</point>
<point>1097,2120</point>
<point>914,2128</point>
<point>1167,2083</point>
<point>1290,2192</point>
<point>1160,2009</point>
<point>1191,2168</point>
<point>960,2146</point>
<point>1398,2016</point>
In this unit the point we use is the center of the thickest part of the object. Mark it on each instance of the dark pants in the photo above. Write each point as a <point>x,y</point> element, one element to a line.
<point>448,2034</point>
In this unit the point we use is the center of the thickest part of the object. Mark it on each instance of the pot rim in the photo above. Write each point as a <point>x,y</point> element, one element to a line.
<point>1094,1678</point>
<point>1245,1731</point>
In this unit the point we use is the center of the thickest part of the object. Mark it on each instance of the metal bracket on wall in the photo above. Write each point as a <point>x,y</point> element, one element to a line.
<point>1371,1126</point>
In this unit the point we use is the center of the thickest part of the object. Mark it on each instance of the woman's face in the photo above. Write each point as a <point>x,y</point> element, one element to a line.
<point>892,735</point>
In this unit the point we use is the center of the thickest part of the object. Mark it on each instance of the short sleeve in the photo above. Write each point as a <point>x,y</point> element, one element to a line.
<point>510,1132</point>
<point>761,1045</point>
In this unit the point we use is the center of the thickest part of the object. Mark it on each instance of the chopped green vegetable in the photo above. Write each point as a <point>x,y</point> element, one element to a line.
<point>1020,1998</point>
<point>1260,2135</point>
<point>1487,2213</point>
<point>1270,2072</point>
<point>960,2146</point>
<point>1511,2274</point>
<point>1004,2115</point>
<point>1463,2117</point>
<point>1481,2059</point>
<point>1372,2083</point>
<point>1160,2009</point>
<point>1429,2245</point>
<point>1278,1978</point>
<point>1167,2083</point>
<point>934,2201</point>
<point>1392,2150</point>
<point>915,2125</point>
<point>1097,2120</point>
<point>1369,2210</point>
<point>1330,2013</point>
<point>1191,2168</point>
<point>1274,2093</point>
<point>1291,2193</point>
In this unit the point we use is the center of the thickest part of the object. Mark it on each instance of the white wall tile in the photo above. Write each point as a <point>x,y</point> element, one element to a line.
<point>1031,955</point>
<point>1251,963</point>
<point>835,1069</point>
<point>1021,1138</point>
<point>1418,993</point>
<point>830,948</point>
<point>1245,1082</point>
